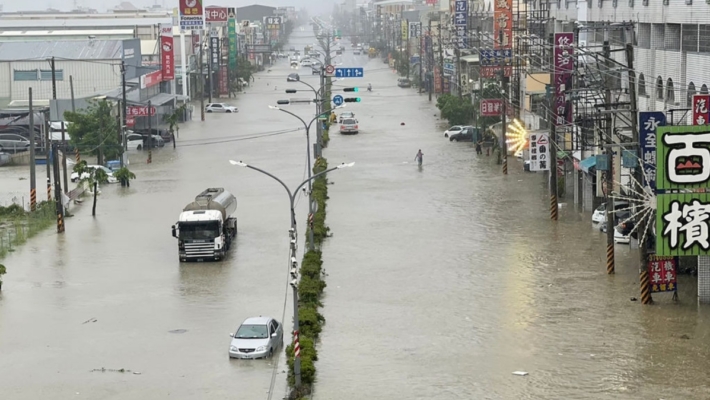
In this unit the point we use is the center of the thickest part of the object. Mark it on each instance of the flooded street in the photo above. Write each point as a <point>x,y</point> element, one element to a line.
<point>442,280</point>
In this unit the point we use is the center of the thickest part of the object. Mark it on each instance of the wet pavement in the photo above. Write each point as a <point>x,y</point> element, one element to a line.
<point>442,280</point>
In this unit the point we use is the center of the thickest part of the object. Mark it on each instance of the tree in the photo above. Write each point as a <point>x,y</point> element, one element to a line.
<point>3,270</point>
<point>93,177</point>
<point>173,119</point>
<point>95,131</point>
<point>458,111</point>
<point>402,63</point>
<point>124,175</point>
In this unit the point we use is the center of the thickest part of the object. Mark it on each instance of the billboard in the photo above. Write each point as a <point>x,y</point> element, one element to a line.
<point>648,123</point>
<point>216,15</point>
<point>191,15</point>
<point>701,110</point>
<point>167,54</point>
<point>132,57</point>
<point>503,24</point>
<point>461,22</point>
<point>232,37</point>
<point>564,66</point>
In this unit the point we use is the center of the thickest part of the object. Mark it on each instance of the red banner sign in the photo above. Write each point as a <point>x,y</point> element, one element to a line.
<point>491,107</point>
<point>493,72</point>
<point>167,55</point>
<point>138,111</point>
<point>564,67</point>
<point>191,7</point>
<point>223,81</point>
<point>662,273</point>
<point>130,122</point>
<point>151,79</point>
<point>216,14</point>
<point>701,109</point>
<point>503,24</point>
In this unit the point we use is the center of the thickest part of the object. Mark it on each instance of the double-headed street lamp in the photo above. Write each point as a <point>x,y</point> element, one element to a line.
<point>292,239</point>
<point>307,126</point>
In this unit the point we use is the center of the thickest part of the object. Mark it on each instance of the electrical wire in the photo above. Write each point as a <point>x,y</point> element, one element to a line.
<point>239,139</point>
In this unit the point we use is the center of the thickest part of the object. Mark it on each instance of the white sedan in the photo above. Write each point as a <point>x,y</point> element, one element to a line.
<point>453,130</point>
<point>75,176</point>
<point>220,107</point>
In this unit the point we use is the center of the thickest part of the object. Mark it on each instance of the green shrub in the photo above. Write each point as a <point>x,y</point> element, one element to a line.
<point>311,266</point>
<point>310,290</point>
<point>326,138</point>
<point>310,320</point>
<point>308,357</point>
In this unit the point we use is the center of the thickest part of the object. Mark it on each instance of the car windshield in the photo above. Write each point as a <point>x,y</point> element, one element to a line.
<point>207,230</point>
<point>252,332</point>
<point>347,114</point>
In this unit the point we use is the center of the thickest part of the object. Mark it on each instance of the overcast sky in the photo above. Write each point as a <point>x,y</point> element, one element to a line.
<point>314,7</point>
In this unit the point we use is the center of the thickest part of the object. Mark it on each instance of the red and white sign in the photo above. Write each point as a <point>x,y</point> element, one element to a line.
<point>662,273</point>
<point>167,55</point>
<point>223,81</point>
<point>701,109</point>
<point>216,14</point>
<point>491,107</point>
<point>138,111</point>
<point>151,79</point>
<point>329,70</point>
<point>130,122</point>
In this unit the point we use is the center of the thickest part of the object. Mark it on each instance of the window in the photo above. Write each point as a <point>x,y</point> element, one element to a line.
<point>642,85</point>
<point>691,92</point>
<point>19,75</point>
<point>704,35</point>
<point>670,94</point>
<point>704,89</point>
<point>690,38</point>
<point>659,88</point>
<point>46,75</point>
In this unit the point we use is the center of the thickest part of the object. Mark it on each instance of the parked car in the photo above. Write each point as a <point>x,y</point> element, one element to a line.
<point>599,214</point>
<point>111,179</point>
<point>13,143</point>
<point>306,62</point>
<point>464,135</point>
<point>356,52</point>
<point>256,337</point>
<point>452,130</point>
<point>293,78</point>
<point>220,107</point>
<point>163,133</point>
<point>343,116</point>
<point>349,125</point>
<point>315,71</point>
<point>134,141</point>
<point>404,83</point>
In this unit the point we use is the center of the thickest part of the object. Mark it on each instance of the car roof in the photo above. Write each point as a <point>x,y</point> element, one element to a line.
<point>257,321</point>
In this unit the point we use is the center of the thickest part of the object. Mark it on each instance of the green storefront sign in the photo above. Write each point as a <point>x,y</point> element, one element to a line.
<point>683,183</point>
<point>232,35</point>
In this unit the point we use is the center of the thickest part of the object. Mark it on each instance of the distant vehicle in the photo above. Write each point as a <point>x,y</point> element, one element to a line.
<point>349,125</point>
<point>111,179</point>
<point>404,83</point>
<point>621,232</point>
<point>13,143</point>
<point>464,135</point>
<point>599,214</point>
<point>347,114</point>
<point>220,107</point>
<point>454,129</point>
<point>315,71</point>
<point>256,337</point>
<point>356,52</point>
<point>292,48</point>
<point>134,141</point>
<point>338,52</point>
<point>294,64</point>
<point>283,55</point>
<point>306,62</point>
<point>293,78</point>
<point>205,227</point>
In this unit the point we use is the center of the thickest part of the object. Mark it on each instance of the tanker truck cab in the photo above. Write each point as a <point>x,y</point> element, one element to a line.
<point>205,228</point>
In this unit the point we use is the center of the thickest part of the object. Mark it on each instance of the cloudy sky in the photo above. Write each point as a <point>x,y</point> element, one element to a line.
<point>315,7</point>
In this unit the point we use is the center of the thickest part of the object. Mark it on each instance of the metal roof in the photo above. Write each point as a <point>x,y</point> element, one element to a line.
<point>30,24</point>
<point>66,49</point>
<point>85,33</point>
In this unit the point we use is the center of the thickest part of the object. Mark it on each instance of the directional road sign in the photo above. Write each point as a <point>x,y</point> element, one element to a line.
<point>329,70</point>
<point>349,72</point>
<point>337,100</point>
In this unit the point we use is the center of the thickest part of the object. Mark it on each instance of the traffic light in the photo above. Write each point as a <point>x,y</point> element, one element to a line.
<point>283,102</point>
<point>351,89</point>
<point>290,90</point>
<point>351,99</point>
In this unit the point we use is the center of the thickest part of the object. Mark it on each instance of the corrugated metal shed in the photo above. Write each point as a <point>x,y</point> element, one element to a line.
<point>44,24</point>
<point>85,33</point>
<point>68,49</point>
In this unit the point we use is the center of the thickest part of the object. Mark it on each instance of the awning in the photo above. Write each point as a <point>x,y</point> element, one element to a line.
<point>588,163</point>
<point>160,99</point>
<point>472,59</point>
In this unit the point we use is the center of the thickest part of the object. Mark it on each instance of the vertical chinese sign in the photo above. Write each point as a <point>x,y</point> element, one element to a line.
<point>215,53</point>
<point>461,23</point>
<point>683,187</point>
<point>223,81</point>
<point>404,31</point>
<point>662,274</point>
<point>539,152</point>
<point>648,123</point>
<point>502,24</point>
<point>232,36</point>
<point>701,112</point>
<point>167,55</point>
<point>564,66</point>
<point>192,16</point>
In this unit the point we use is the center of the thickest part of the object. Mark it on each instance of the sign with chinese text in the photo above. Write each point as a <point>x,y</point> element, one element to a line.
<point>223,81</point>
<point>495,61</point>
<point>191,15</point>
<point>662,273</point>
<point>151,79</point>
<point>272,23</point>
<point>404,30</point>
<point>415,30</point>
<point>461,24</point>
<point>648,122</point>
<point>683,224</point>
<point>493,72</point>
<point>701,112</point>
<point>232,36</point>
<point>214,50</point>
<point>564,66</point>
<point>503,24</point>
<point>139,111</point>
<point>216,15</point>
<point>491,107</point>
<point>539,152</point>
<point>167,55</point>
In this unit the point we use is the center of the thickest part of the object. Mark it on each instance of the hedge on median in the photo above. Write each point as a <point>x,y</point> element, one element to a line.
<point>310,291</point>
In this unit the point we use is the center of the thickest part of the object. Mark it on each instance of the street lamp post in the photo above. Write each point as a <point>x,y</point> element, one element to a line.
<point>292,238</point>
<point>307,126</point>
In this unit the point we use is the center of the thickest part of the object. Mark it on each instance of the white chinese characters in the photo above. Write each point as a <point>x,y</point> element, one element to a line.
<point>691,149</point>
<point>691,220</point>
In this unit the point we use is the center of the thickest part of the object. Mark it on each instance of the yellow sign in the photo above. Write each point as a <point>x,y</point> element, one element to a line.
<point>404,30</point>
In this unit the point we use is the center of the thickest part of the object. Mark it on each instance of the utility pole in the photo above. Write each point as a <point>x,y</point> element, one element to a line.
<point>33,164</point>
<point>150,132</point>
<point>608,132</point>
<point>124,111</point>
<point>503,129</point>
<point>57,191</point>
<point>641,229</point>
<point>458,72</point>
<point>49,155</point>
<point>64,139</point>
<point>553,165</point>
<point>421,56</point>
<point>441,57</point>
<point>71,93</point>
<point>201,80</point>
<point>429,60</point>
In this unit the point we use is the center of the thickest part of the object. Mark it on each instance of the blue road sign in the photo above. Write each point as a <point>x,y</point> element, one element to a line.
<point>349,72</point>
<point>337,100</point>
